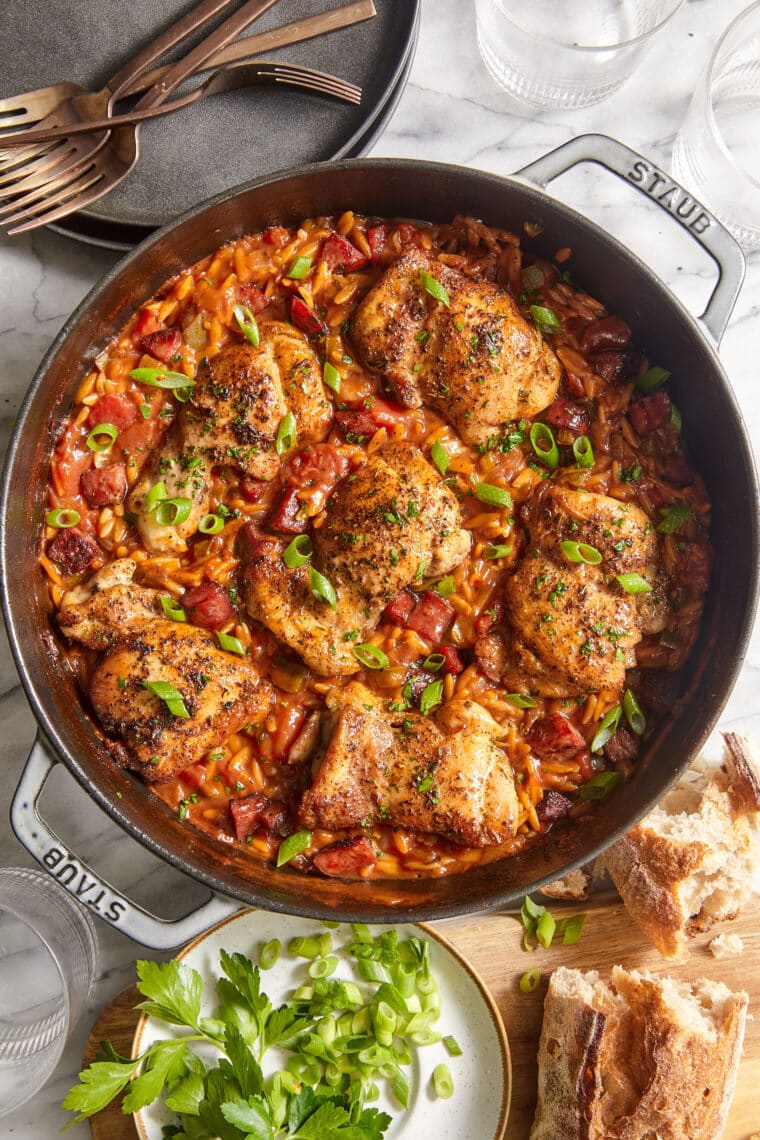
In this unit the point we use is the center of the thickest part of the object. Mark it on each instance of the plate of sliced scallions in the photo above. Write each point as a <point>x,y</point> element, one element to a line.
<point>284,1027</point>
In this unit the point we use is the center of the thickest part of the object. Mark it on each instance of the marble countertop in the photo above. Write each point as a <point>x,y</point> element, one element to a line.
<point>450,111</point>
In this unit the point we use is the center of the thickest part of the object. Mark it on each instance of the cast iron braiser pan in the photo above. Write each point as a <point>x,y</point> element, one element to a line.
<point>670,336</point>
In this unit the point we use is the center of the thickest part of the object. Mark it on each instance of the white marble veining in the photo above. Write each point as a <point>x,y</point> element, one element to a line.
<point>450,111</point>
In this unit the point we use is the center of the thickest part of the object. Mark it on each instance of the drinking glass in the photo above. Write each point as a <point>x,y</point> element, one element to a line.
<point>717,150</point>
<point>566,53</point>
<point>48,954</point>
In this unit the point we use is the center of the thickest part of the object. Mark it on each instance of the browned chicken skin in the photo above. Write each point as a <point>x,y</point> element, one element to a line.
<point>574,629</point>
<point>475,361</point>
<point>393,522</point>
<point>443,774</point>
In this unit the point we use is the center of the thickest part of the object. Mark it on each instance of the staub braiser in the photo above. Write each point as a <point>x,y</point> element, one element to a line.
<point>712,426</point>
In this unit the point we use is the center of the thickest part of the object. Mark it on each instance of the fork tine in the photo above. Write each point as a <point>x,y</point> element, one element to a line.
<point>62,204</point>
<point>46,191</point>
<point>319,81</point>
<point>31,174</point>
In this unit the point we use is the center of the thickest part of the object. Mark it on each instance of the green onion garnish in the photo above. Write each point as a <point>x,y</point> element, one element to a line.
<point>431,697</point>
<point>292,846</point>
<point>211,524</point>
<point>545,928</point>
<point>286,434</point>
<point>607,728</point>
<point>634,713</point>
<point>633,583</point>
<point>572,929</point>
<point>545,320</point>
<point>652,378</point>
<point>323,967</point>
<point>298,552</point>
<point>331,377</point>
<point>370,656</point>
<point>299,267</point>
<point>161,378</point>
<point>172,512</point>
<point>530,981</point>
<point>155,495</point>
<point>434,662</point>
<point>676,421</point>
<point>446,587</point>
<point>322,589</point>
<point>171,697</point>
<point>600,785</point>
<point>443,1082</point>
<point>544,444</point>
<point>172,609</point>
<point>501,550</point>
<point>673,518</point>
<point>440,457</point>
<point>434,288</point>
<point>583,451</point>
<point>62,517</point>
<point>580,552</point>
<point>270,953</point>
<point>102,437</point>
<point>453,1047</point>
<point>494,496</point>
<point>231,644</point>
<point>247,324</point>
<point>519,701</point>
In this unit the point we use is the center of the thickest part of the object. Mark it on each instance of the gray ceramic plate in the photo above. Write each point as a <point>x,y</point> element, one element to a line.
<point>229,138</point>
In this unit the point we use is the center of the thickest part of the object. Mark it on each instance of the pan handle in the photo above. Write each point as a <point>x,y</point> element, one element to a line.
<point>86,885</point>
<point>666,193</point>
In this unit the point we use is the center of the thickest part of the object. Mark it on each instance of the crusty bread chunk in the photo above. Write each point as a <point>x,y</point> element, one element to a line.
<point>639,1058</point>
<point>691,861</point>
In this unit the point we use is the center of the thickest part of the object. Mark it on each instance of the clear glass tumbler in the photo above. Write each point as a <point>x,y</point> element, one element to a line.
<point>48,956</point>
<point>566,53</point>
<point>717,150</point>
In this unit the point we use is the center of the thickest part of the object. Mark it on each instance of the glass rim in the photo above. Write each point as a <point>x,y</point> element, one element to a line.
<point>709,77</point>
<point>621,44</point>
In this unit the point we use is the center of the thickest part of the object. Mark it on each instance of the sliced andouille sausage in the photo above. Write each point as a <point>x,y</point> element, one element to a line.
<point>339,255</point>
<point>208,605</point>
<point>72,551</point>
<point>452,662</point>
<point>104,486</point>
<point>605,333</point>
<point>622,748</point>
<point>431,617</point>
<point>491,655</point>
<point>565,413</point>
<point>253,298</point>
<point>400,608</point>
<point>286,515</point>
<point>553,737</point>
<point>305,318</point>
<point>116,409</point>
<point>553,807</point>
<point>164,344</point>
<point>650,412</point>
<point>246,813</point>
<point>347,858</point>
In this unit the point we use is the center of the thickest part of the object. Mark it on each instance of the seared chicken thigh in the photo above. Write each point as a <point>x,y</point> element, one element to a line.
<point>444,774</point>
<point>574,628</point>
<point>392,522</point>
<point>475,360</point>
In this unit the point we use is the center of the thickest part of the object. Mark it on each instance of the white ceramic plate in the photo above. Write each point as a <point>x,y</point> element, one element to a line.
<point>482,1075</point>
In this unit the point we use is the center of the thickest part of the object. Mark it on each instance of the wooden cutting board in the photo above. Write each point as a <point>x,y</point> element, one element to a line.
<point>492,944</point>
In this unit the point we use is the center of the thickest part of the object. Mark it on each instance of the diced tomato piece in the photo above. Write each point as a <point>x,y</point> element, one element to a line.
<point>605,333</point>
<point>163,344</point>
<point>117,409</point>
<point>252,489</point>
<point>104,486</point>
<point>356,427</point>
<point>452,662</point>
<point>431,617</point>
<point>553,807</point>
<point>72,551</point>
<point>400,608</point>
<point>286,516</point>
<point>623,747</point>
<point>208,605</point>
<point>650,412</point>
<point>347,858</point>
<point>194,775</point>
<point>339,255</point>
<point>146,322</point>
<point>377,236</point>
<point>305,318</point>
<point>385,414</point>
<point>277,236</point>
<point>564,413</point>
<point>253,298</point>
<point>554,737</point>
<point>246,814</point>
<point>321,465</point>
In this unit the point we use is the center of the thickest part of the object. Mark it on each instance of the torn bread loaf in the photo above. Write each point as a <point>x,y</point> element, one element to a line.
<point>691,861</point>
<point>639,1058</point>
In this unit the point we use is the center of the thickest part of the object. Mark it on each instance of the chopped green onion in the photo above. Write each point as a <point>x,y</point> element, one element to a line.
<point>171,697</point>
<point>545,320</point>
<point>607,728</point>
<point>231,644</point>
<point>62,517</point>
<point>322,589</point>
<point>434,288</point>
<point>544,444</point>
<point>401,1090</point>
<point>286,434</point>
<point>453,1047</point>
<point>211,524</point>
<point>580,552</point>
<point>440,456</point>
<point>633,583</point>
<point>545,928</point>
<point>676,420</point>
<point>247,324</point>
<point>298,552</point>
<point>161,378</point>
<point>519,701</point>
<point>292,846</point>
<point>331,377</point>
<point>155,495</point>
<point>634,713</point>
<point>269,953</point>
<point>434,662</point>
<point>631,473</point>
<point>572,928</point>
<point>323,967</point>
<point>501,550</point>
<point>446,587</point>
<point>530,981</point>
<point>302,946</point>
<point>673,518</point>
<point>172,512</point>
<point>652,378</point>
<point>494,496</point>
<point>583,451</point>
<point>95,440</point>
<point>172,609</point>
<point>370,656</point>
<point>431,697</point>
<point>299,267</point>
<point>145,411</point>
<point>600,785</point>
